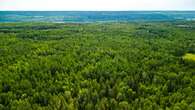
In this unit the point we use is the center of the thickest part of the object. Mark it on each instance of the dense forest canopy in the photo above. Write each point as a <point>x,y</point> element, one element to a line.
<point>97,66</point>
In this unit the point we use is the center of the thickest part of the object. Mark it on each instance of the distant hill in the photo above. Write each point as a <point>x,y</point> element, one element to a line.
<point>94,16</point>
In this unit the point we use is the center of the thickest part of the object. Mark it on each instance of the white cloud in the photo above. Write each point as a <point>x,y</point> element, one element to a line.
<point>97,4</point>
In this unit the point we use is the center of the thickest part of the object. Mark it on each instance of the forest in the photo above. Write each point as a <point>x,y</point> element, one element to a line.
<point>97,66</point>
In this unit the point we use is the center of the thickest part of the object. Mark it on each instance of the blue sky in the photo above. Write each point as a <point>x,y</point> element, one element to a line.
<point>97,5</point>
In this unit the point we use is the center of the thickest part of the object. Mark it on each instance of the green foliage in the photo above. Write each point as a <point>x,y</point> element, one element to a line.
<point>96,66</point>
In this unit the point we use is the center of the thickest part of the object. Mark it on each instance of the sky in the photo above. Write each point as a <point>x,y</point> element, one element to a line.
<point>96,5</point>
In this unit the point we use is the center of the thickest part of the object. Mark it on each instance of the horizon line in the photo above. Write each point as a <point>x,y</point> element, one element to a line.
<point>100,10</point>
<point>106,10</point>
